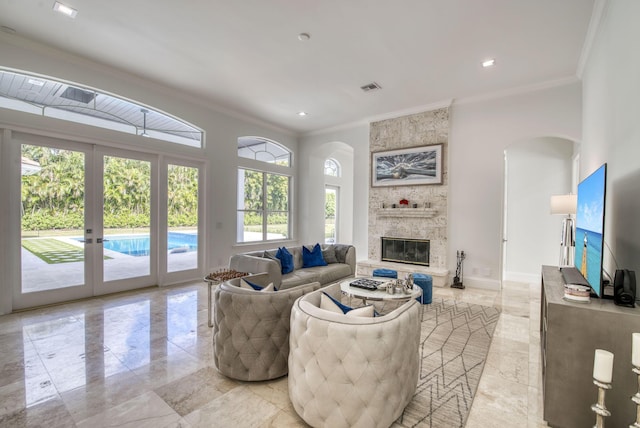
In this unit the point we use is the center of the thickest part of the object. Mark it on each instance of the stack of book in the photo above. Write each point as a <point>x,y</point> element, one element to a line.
<point>577,293</point>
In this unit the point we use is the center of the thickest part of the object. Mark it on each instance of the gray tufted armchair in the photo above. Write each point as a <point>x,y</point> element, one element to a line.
<point>352,371</point>
<point>251,329</point>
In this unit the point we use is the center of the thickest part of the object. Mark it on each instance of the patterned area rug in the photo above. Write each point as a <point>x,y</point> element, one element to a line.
<point>455,340</point>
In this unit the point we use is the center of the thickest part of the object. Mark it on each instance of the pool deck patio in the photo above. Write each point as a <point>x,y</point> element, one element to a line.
<point>37,275</point>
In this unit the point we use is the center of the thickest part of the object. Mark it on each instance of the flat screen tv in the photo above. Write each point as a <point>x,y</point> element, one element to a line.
<point>590,228</point>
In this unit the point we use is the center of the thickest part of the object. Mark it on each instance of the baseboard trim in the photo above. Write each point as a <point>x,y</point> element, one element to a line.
<point>522,277</point>
<point>484,283</point>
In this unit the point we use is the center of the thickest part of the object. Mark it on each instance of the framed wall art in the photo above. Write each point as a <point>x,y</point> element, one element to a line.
<point>407,167</point>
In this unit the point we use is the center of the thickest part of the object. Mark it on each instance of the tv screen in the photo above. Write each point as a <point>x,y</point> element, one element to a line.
<point>590,228</point>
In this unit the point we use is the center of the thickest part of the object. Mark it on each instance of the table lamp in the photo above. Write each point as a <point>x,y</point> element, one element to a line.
<point>565,205</point>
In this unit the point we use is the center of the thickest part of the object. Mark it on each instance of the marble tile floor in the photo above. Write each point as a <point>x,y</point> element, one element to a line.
<point>144,359</point>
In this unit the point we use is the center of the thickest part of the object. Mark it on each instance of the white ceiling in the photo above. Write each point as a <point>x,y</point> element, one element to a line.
<point>245,55</point>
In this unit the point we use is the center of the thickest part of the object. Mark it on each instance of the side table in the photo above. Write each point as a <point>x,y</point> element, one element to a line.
<point>216,278</point>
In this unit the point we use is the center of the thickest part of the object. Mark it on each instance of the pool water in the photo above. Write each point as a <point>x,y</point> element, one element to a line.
<point>138,245</point>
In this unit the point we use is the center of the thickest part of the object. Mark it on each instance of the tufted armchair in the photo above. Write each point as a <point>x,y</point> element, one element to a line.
<point>251,329</point>
<point>352,371</point>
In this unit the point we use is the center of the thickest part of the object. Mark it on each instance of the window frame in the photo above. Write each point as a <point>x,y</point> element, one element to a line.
<point>337,169</point>
<point>265,212</point>
<point>260,166</point>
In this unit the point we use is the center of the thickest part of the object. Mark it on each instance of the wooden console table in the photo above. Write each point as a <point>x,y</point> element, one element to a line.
<point>569,334</point>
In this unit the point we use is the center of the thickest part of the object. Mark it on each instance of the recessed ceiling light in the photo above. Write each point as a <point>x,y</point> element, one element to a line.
<point>489,63</point>
<point>302,113</point>
<point>303,37</point>
<point>65,10</point>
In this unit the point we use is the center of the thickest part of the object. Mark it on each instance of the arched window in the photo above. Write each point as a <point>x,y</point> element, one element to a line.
<point>76,103</point>
<point>263,150</point>
<point>331,168</point>
<point>263,206</point>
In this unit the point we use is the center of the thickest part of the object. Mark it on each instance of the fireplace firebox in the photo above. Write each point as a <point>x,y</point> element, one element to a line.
<point>411,251</point>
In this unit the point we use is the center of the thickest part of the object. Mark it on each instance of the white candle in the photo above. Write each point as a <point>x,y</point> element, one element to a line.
<point>635,350</point>
<point>603,366</point>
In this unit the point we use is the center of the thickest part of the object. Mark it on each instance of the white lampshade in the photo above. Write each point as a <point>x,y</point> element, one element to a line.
<point>564,204</point>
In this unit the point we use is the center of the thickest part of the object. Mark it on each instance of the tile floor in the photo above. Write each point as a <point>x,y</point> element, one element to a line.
<point>143,359</point>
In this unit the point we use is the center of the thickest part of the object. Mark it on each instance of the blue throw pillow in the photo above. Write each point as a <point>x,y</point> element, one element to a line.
<point>313,257</point>
<point>252,285</point>
<point>286,260</point>
<point>339,304</point>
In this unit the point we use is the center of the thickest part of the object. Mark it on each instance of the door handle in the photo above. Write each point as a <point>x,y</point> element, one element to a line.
<point>86,241</point>
<point>101,240</point>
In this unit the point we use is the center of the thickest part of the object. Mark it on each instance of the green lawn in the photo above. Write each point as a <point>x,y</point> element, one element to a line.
<point>54,251</point>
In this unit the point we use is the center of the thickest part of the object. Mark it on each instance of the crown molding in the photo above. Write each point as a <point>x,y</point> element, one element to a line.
<point>518,90</point>
<point>384,116</point>
<point>599,11</point>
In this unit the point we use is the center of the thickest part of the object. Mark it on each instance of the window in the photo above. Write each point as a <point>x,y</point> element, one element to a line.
<point>76,103</point>
<point>331,168</point>
<point>263,206</point>
<point>264,211</point>
<point>330,214</point>
<point>263,150</point>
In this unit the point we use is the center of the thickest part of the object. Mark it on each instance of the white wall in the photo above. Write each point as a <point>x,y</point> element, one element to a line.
<point>611,127</point>
<point>536,169</point>
<point>313,150</point>
<point>480,132</point>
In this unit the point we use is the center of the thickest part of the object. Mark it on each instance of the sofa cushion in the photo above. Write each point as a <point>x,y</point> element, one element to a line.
<point>297,257</point>
<point>300,276</point>
<point>331,273</point>
<point>311,258</point>
<point>329,255</point>
<point>271,255</point>
<point>341,252</point>
<point>286,260</point>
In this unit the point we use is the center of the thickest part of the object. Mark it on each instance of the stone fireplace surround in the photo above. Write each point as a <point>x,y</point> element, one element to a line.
<point>429,220</point>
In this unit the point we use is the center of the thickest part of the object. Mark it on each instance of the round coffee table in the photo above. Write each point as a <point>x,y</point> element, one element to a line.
<point>380,294</point>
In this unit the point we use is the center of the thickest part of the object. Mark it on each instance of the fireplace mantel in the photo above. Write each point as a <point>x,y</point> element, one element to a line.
<point>407,212</point>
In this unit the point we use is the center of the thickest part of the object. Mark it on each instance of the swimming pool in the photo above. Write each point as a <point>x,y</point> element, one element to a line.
<point>138,245</point>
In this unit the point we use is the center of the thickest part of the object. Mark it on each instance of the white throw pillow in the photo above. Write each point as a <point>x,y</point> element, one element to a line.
<point>329,305</point>
<point>269,287</point>
<point>365,311</point>
<point>244,284</point>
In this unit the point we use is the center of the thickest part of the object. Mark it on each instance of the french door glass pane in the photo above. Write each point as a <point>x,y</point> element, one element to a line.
<point>126,218</point>
<point>52,218</point>
<point>182,218</point>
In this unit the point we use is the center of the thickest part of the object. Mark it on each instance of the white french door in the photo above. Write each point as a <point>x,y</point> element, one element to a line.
<point>90,220</point>
<point>125,242</point>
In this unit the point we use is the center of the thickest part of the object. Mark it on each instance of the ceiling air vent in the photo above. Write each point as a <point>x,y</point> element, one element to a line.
<point>373,86</point>
<point>77,94</point>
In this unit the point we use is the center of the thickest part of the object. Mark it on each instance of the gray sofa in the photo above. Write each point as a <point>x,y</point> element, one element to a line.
<point>264,261</point>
